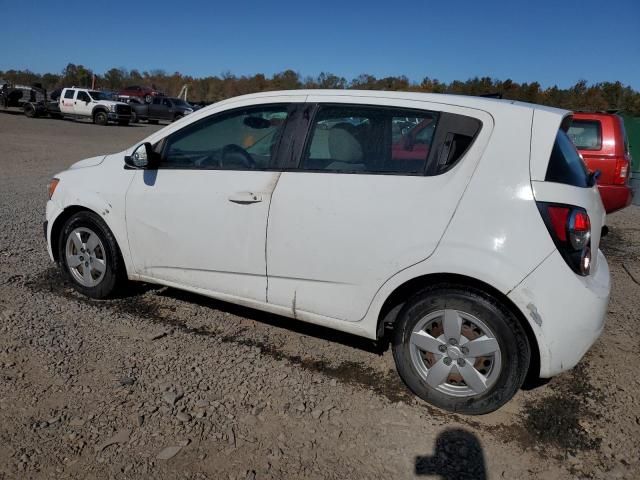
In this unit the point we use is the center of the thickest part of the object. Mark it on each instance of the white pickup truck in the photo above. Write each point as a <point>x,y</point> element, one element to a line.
<point>85,103</point>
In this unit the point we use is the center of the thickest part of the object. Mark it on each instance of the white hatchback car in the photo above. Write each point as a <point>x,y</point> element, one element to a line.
<point>469,234</point>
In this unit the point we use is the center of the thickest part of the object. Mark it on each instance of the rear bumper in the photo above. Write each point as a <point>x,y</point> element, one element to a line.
<point>615,197</point>
<point>565,311</point>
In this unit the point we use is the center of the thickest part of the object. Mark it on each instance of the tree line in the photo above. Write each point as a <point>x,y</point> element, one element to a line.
<point>581,96</point>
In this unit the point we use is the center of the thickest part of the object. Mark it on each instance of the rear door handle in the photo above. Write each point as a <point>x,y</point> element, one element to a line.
<point>245,197</point>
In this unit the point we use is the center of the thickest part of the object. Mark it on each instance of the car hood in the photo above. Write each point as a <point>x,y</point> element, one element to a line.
<point>88,162</point>
<point>110,102</point>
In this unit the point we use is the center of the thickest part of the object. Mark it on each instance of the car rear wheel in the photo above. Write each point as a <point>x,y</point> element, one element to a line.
<point>29,111</point>
<point>460,349</point>
<point>89,255</point>
<point>134,117</point>
<point>100,118</point>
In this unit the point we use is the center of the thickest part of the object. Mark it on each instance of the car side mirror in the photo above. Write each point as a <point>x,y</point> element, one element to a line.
<point>141,158</point>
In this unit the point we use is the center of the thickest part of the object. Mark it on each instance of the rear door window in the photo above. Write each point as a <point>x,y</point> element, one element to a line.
<point>364,139</point>
<point>69,93</point>
<point>586,134</point>
<point>566,165</point>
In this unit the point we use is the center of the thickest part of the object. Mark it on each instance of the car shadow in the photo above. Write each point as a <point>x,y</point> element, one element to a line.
<point>297,326</point>
<point>458,455</point>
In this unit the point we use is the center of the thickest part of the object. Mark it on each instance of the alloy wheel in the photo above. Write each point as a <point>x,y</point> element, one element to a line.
<point>455,353</point>
<point>86,257</point>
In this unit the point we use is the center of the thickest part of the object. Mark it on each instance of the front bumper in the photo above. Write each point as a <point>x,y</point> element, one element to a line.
<point>53,211</point>
<point>118,117</point>
<point>566,311</point>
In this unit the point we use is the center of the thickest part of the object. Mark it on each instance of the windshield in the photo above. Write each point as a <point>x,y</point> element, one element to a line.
<point>100,95</point>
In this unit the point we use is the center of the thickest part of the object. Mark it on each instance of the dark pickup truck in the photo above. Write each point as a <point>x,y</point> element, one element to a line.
<point>160,108</point>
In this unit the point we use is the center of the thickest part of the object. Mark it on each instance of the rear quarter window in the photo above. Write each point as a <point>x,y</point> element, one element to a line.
<point>565,164</point>
<point>586,134</point>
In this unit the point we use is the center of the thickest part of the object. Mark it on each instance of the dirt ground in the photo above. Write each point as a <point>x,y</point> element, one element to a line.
<point>166,384</point>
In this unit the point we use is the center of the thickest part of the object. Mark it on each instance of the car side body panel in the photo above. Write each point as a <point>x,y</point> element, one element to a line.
<point>329,254</point>
<point>98,185</point>
<point>479,220</point>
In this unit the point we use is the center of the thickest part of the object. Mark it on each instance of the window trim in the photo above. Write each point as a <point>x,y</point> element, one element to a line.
<point>80,92</point>
<point>588,120</point>
<point>162,144</point>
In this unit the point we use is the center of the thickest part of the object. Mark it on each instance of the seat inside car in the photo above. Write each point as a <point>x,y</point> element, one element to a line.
<point>345,151</point>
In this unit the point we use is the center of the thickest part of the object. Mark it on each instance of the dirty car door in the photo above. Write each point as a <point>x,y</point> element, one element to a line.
<point>357,210</point>
<point>200,219</point>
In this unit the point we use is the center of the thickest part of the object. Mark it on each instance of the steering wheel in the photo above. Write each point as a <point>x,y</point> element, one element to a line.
<point>238,154</point>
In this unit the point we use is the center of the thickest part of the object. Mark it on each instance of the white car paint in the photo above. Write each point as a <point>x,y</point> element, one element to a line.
<point>330,248</point>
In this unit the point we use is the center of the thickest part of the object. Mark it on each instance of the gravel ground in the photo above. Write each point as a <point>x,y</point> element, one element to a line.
<point>166,384</point>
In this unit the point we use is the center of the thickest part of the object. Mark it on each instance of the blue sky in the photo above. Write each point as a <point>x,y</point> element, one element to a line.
<point>553,42</point>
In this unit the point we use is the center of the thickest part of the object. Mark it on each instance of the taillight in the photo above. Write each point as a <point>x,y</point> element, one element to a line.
<point>570,229</point>
<point>621,171</point>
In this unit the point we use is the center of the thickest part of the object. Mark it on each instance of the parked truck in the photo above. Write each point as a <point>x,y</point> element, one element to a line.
<point>32,100</point>
<point>91,104</point>
<point>160,108</point>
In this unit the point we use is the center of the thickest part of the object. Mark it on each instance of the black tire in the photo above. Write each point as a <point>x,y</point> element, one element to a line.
<point>148,98</point>
<point>29,111</point>
<point>507,330</point>
<point>134,117</point>
<point>100,118</point>
<point>115,272</point>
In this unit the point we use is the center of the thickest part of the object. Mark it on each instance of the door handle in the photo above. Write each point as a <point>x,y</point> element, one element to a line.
<point>245,197</point>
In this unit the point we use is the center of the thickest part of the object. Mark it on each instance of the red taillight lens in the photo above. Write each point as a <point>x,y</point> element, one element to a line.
<point>579,229</point>
<point>581,222</point>
<point>570,229</point>
<point>559,217</point>
<point>621,171</point>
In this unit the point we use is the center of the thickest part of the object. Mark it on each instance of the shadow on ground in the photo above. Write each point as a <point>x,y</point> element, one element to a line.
<point>457,455</point>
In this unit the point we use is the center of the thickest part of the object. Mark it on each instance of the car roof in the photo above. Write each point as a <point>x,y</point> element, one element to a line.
<point>481,103</point>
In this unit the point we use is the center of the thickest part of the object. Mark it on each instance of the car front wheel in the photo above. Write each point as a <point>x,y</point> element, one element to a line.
<point>460,349</point>
<point>89,255</point>
<point>100,118</point>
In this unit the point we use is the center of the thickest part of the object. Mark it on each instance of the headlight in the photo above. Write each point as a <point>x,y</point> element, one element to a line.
<point>112,108</point>
<point>53,183</point>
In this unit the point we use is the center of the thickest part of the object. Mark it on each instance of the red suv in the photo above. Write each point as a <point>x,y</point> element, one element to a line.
<point>143,93</point>
<point>602,142</point>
